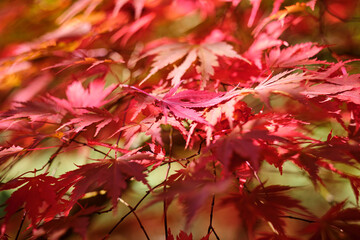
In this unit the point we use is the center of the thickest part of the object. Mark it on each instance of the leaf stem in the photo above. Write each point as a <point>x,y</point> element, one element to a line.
<point>93,148</point>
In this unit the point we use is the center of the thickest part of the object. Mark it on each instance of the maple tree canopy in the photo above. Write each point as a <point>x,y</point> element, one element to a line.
<point>180,119</point>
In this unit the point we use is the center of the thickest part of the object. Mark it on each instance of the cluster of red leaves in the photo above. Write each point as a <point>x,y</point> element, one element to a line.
<point>135,80</point>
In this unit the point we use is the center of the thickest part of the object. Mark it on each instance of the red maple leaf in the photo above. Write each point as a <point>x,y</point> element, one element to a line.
<point>268,203</point>
<point>58,226</point>
<point>286,82</point>
<point>185,104</point>
<point>336,223</point>
<point>127,31</point>
<point>109,174</point>
<point>207,53</point>
<point>97,116</point>
<point>8,152</point>
<point>79,98</point>
<point>236,149</point>
<point>184,236</point>
<point>193,186</point>
<point>298,54</point>
<point>344,87</point>
<point>39,110</point>
<point>182,104</point>
<point>264,39</point>
<point>39,195</point>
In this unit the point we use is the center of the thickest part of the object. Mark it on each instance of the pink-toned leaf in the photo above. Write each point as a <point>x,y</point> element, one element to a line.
<point>8,152</point>
<point>76,8</point>
<point>126,32</point>
<point>207,53</point>
<point>286,82</point>
<point>254,10</point>
<point>79,98</point>
<point>138,6</point>
<point>345,88</point>
<point>97,116</point>
<point>292,56</point>
<point>165,55</point>
<point>179,71</point>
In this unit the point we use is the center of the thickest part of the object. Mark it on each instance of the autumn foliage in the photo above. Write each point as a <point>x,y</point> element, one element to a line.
<point>180,119</point>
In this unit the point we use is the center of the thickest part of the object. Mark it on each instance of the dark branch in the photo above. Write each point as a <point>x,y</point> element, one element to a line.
<point>297,218</point>
<point>131,211</point>
<point>21,224</point>
<point>137,218</point>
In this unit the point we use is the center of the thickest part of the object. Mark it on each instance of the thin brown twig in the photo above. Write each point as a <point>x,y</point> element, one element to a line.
<point>165,201</point>
<point>93,148</point>
<point>105,211</point>
<point>136,216</point>
<point>211,228</point>
<point>132,210</point>
<point>213,231</point>
<point>21,224</point>
<point>166,177</point>
<point>297,218</point>
<point>211,213</point>
<point>56,153</point>
<point>187,158</point>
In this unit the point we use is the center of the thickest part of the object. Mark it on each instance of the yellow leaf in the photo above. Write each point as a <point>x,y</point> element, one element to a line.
<point>298,7</point>
<point>10,81</point>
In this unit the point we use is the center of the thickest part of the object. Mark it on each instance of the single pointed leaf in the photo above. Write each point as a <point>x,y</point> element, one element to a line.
<point>254,10</point>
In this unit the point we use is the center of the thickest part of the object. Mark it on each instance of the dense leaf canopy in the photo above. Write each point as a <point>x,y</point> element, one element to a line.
<point>180,119</point>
